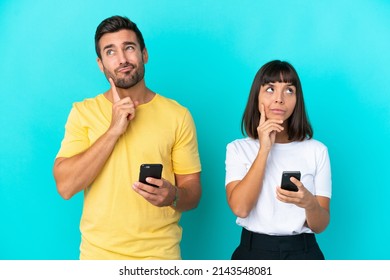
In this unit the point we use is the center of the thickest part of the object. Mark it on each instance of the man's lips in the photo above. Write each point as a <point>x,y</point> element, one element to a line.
<point>125,69</point>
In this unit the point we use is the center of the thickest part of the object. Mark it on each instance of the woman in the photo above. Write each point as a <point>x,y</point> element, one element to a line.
<point>278,223</point>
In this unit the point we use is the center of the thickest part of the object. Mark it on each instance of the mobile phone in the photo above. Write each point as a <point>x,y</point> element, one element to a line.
<point>286,183</point>
<point>153,170</point>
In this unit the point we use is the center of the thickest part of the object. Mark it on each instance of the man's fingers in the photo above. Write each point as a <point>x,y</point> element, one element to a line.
<point>115,94</point>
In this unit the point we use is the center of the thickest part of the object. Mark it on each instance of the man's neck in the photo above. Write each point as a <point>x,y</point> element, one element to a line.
<point>138,93</point>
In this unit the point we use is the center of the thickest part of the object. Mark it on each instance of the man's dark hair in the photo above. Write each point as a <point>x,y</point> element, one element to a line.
<point>115,24</point>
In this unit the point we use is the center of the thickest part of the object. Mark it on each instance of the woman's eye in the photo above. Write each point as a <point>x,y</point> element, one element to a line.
<point>290,91</point>
<point>269,89</point>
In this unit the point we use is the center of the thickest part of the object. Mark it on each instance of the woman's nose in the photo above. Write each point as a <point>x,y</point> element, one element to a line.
<point>279,97</point>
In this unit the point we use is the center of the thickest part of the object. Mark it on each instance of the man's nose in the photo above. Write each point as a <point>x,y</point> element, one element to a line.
<point>121,57</point>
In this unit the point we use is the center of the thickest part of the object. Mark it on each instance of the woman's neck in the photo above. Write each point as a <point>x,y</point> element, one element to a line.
<point>282,138</point>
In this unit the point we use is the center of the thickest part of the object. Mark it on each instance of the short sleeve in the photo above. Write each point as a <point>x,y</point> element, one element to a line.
<point>323,181</point>
<point>185,154</point>
<point>235,167</point>
<point>76,136</point>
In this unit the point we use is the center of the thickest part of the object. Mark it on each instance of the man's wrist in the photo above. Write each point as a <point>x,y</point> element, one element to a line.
<point>176,197</point>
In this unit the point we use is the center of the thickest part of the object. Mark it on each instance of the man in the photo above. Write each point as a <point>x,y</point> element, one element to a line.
<point>106,140</point>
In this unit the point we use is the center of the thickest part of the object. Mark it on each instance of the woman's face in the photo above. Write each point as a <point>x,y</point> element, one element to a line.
<point>279,100</point>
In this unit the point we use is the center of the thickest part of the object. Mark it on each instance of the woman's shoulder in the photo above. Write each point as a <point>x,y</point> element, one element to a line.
<point>314,143</point>
<point>243,142</point>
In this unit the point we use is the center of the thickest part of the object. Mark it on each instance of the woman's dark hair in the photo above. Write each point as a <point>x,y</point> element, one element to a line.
<point>299,127</point>
<point>114,24</point>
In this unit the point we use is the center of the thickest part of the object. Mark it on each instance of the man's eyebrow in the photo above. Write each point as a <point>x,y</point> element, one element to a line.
<point>108,46</point>
<point>129,43</point>
<point>126,43</point>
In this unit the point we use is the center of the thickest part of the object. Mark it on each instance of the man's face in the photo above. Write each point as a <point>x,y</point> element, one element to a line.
<point>122,58</point>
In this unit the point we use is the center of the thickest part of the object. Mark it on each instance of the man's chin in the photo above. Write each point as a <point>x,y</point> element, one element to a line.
<point>125,84</point>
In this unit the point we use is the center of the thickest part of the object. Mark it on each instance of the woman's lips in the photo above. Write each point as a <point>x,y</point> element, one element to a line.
<point>277,111</point>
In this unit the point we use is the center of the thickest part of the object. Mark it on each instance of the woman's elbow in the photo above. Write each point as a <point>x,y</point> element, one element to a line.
<point>320,227</point>
<point>240,212</point>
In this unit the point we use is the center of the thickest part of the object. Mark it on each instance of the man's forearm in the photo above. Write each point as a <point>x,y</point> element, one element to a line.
<point>74,174</point>
<point>188,195</point>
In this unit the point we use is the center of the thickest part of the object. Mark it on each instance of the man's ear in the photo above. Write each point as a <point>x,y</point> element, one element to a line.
<point>145,55</point>
<point>100,64</point>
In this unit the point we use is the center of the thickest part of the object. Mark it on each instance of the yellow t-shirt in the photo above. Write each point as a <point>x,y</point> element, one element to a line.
<point>117,223</point>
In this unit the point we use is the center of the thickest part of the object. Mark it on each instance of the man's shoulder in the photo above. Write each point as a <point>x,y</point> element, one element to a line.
<point>90,102</point>
<point>168,100</point>
<point>169,103</point>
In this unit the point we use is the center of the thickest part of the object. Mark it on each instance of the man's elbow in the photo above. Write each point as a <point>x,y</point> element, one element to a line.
<point>63,187</point>
<point>64,191</point>
<point>191,202</point>
<point>195,204</point>
<point>62,183</point>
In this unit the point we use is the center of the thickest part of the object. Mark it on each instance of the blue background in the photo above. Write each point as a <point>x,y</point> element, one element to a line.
<point>204,54</point>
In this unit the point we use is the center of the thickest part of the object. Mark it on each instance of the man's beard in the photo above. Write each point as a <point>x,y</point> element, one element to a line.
<point>129,80</point>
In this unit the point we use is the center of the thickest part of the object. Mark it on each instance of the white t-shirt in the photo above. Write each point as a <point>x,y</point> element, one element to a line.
<point>271,216</point>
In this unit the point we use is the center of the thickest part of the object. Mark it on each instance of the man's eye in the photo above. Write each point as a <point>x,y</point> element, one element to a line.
<point>129,48</point>
<point>109,52</point>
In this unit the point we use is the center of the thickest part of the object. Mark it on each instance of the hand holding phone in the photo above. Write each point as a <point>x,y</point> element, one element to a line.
<point>286,183</point>
<point>153,170</point>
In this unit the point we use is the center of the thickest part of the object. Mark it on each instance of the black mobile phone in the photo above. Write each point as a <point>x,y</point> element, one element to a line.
<point>286,183</point>
<point>150,170</point>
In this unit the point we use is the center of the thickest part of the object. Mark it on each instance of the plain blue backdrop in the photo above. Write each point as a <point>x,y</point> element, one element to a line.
<point>204,54</point>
